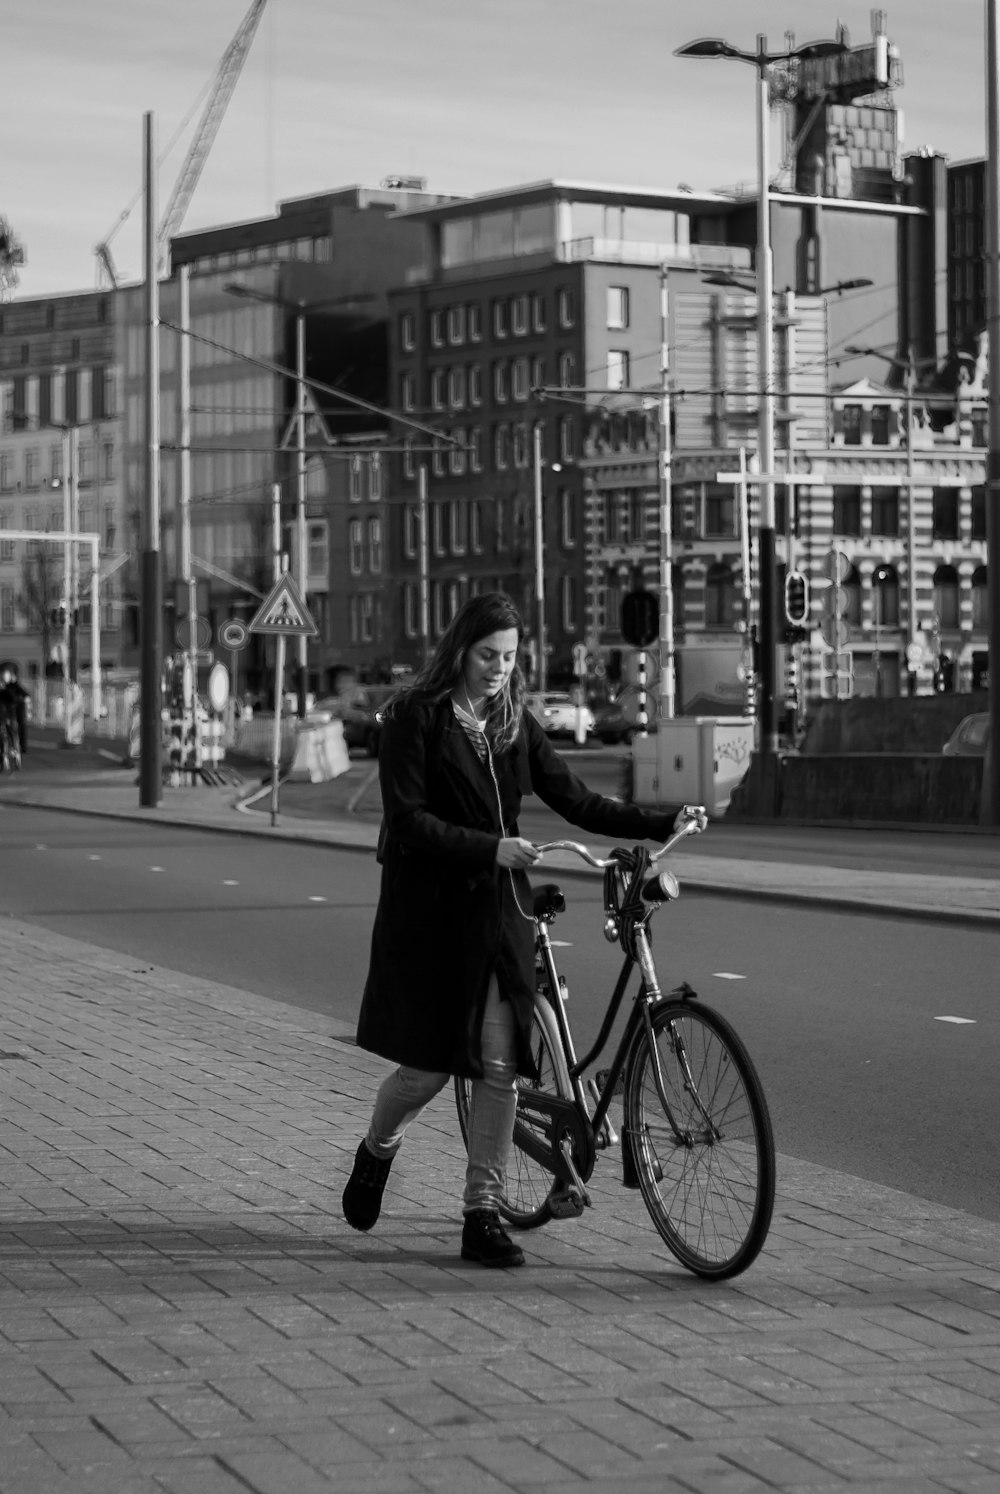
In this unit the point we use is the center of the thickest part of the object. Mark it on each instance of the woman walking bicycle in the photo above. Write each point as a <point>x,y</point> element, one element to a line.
<point>451,978</point>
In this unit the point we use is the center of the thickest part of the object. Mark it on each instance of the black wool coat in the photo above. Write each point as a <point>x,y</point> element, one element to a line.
<point>447,916</point>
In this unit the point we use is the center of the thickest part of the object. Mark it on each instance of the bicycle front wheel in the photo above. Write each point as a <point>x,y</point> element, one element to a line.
<point>706,1161</point>
<point>525,1203</point>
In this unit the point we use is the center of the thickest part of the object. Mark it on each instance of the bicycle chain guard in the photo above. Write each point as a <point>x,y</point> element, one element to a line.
<point>542,1123</point>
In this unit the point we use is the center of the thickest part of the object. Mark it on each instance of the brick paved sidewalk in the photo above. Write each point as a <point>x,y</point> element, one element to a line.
<point>184,1310</point>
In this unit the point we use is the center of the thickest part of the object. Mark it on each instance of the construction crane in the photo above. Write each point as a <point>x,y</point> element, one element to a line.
<point>220,91</point>
<point>11,255</point>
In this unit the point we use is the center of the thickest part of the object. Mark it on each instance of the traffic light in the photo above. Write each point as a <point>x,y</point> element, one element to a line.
<point>796,599</point>
<point>640,618</point>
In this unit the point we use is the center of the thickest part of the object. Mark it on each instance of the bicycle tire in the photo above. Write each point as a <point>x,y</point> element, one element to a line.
<point>710,1198</point>
<point>525,1203</point>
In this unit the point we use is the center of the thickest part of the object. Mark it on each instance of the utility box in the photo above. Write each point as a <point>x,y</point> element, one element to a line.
<point>692,760</point>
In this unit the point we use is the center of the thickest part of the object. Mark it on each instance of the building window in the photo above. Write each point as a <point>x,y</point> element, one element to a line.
<point>407,332</point>
<point>366,608</point>
<point>720,512</point>
<point>317,556</point>
<point>880,425</point>
<point>567,588</point>
<point>520,378</point>
<point>458,455</point>
<point>476,448</point>
<point>439,538</point>
<point>7,614</point>
<point>618,368</point>
<point>354,546</point>
<point>980,422</point>
<point>438,385</point>
<point>474,323</point>
<point>885,597</point>
<point>885,512</point>
<point>436,326</point>
<point>409,456</point>
<point>501,447</point>
<point>980,598</point>
<point>537,372</point>
<point>408,391</point>
<point>500,318</point>
<point>944,514</point>
<point>566,308</point>
<point>501,382</point>
<point>411,530</point>
<point>537,313</point>
<point>456,325</point>
<point>852,425</point>
<point>567,370</point>
<point>32,468</point>
<point>354,480</point>
<point>522,454</point>
<point>456,388</point>
<point>979,513</point>
<point>519,316</point>
<point>617,307</point>
<point>107,460</point>
<point>375,545</point>
<point>476,527</point>
<point>375,476</point>
<point>458,523</point>
<point>852,586</point>
<point>567,519</point>
<point>438,458</point>
<point>720,596</point>
<point>475,384</point>
<point>847,511</point>
<point>946,596</point>
<point>410,609</point>
<point>567,447</point>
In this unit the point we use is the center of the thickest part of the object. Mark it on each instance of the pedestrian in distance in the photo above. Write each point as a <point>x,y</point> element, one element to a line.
<point>451,978</point>
<point>13,709</point>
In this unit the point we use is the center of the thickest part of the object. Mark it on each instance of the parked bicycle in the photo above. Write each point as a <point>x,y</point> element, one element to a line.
<point>696,1133</point>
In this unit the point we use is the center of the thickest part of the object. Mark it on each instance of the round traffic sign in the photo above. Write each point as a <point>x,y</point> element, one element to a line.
<point>837,566</point>
<point>914,654</point>
<point>234,634</point>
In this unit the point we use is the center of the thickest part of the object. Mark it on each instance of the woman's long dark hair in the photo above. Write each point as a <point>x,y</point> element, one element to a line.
<point>493,612</point>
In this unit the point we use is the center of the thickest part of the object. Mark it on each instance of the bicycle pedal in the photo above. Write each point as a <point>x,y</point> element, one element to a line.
<point>566,1202</point>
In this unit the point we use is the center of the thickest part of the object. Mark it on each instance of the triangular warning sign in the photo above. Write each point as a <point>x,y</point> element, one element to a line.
<point>317,432</point>
<point>284,612</point>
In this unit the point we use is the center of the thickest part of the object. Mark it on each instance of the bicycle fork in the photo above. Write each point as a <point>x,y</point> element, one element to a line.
<point>644,955</point>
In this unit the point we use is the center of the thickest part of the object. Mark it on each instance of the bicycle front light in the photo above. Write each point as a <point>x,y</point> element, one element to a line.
<point>661,889</point>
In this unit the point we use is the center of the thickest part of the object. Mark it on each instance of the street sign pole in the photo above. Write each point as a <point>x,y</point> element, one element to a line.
<point>279,682</point>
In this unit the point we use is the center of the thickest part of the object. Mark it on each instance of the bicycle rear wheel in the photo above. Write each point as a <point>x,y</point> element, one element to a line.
<point>525,1203</point>
<point>706,1169</point>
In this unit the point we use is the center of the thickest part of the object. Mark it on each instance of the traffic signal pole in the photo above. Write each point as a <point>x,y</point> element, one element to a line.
<point>989,813</point>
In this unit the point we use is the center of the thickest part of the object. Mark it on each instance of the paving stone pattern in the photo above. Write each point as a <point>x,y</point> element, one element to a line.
<point>183,1310</point>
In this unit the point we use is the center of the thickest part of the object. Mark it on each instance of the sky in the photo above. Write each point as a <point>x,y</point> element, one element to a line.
<point>470,96</point>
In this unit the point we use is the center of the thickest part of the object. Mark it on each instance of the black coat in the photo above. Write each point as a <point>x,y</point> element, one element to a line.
<point>447,917</point>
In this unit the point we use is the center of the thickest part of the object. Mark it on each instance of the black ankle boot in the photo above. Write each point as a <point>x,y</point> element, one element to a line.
<point>362,1201</point>
<point>485,1240</point>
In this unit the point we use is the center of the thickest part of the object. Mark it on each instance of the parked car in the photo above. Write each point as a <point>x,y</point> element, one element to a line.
<point>557,714</point>
<point>970,737</point>
<point>618,720</point>
<point>358,709</point>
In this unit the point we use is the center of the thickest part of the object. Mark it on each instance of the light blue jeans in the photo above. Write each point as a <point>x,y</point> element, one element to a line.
<point>403,1095</point>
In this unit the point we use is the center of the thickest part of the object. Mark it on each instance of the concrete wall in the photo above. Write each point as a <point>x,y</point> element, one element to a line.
<point>902,724</point>
<point>883,788</point>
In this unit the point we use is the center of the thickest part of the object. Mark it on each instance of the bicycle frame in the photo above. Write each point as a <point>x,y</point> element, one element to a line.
<point>638,953</point>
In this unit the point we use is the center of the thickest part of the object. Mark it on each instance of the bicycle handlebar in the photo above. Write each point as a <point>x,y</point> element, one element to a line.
<point>693,820</point>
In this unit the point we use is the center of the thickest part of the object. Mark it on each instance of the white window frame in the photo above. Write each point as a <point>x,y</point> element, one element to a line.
<point>355,547</point>
<point>354,489</point>
<point>520,323</point>
<point>520,379</point>
<point>618,307</point>
<point>619,368</point>
<point>411,530</point>
<point>456,325</point>
<point>456,387</point>
<point>435,327</point>
<point>408,390</point>
<point>567,520</point>
<point>375,545</point>
<point>475,384</point>
<point>538,312</point>
<point>458,525</point>
<point>407,331</point>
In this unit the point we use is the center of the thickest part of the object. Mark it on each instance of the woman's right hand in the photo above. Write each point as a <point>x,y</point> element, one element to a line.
<point>516,853</point>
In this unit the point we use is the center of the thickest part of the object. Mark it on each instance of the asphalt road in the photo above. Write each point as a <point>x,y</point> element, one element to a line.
<point>876,1038</point>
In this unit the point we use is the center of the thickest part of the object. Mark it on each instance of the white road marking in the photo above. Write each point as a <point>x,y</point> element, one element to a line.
<point>317,899</point>
<point>959,1021</point>
<point>727,975</point>
<point>41,848</point>
<point>93,858</point>
<point>228,882</point>
<point>561,943</point>
<point>156,868</point>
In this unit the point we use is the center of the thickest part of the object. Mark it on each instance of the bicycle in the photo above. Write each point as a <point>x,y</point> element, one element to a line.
<point>10,747</point>
<point>696,1133</point>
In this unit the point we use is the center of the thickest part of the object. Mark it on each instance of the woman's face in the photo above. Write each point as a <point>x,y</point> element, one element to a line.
<point>487,665</point>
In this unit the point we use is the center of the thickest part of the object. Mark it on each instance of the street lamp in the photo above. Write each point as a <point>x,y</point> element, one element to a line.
<point>748,283</point>
<point>762,59</point>
<point>300,308</point>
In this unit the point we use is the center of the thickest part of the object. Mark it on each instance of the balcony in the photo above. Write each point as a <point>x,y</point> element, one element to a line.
<point>647,252</point>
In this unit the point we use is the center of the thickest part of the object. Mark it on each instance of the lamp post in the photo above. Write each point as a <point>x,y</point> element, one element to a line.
<point>761,60</point>
<point>989,813</point>
<point>879,577</point>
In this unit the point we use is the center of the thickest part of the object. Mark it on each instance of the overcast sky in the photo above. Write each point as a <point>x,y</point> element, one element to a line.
<point>469,95</point>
